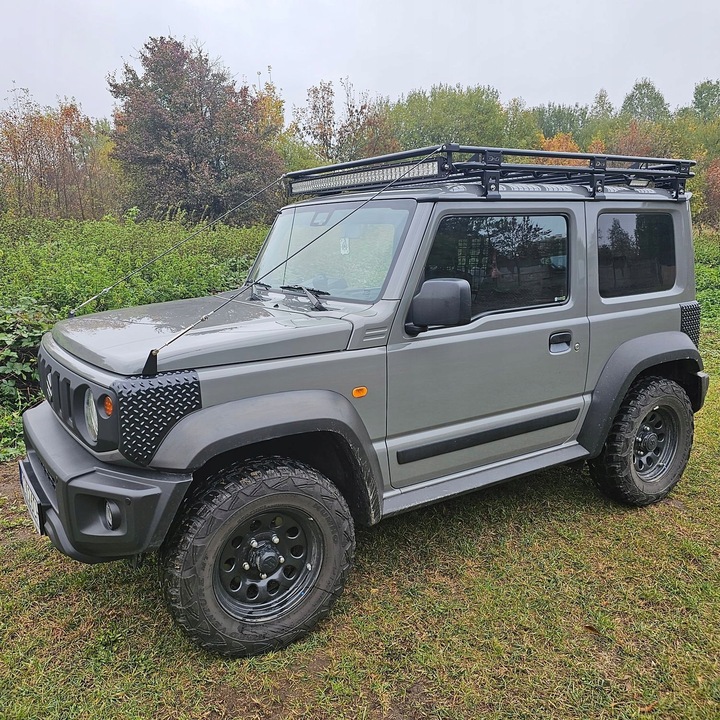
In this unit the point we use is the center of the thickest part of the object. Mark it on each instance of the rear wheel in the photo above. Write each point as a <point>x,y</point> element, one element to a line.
<point>648,445</point>
<point>258,557</point>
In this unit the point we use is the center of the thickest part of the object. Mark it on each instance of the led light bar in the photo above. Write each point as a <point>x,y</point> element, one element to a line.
<point>338,181</point>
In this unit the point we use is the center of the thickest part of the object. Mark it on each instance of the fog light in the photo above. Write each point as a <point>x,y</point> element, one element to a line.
<point>112,515</point>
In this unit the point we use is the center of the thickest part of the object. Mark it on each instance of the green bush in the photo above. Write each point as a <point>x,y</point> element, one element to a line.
<point>11,442</point>
<point>707,274</point>
<point>48,267</point>
<point>65,262</point>
<point>707,247</point>
<point>21,328</point>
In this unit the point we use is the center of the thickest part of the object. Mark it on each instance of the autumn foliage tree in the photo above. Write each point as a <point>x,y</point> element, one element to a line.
<point>55,162</point>
<point>560,142</point>
<point>365,130</point>
<point>315,122</point>
<point>186,137</point>
<point>361,127</point>
<point>192,140</point>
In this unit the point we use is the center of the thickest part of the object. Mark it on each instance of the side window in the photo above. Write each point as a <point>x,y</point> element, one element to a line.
<point>636,253</point>
<point>510,261</point>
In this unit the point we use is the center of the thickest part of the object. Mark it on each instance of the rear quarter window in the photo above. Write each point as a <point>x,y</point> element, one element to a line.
<point>636,253</point>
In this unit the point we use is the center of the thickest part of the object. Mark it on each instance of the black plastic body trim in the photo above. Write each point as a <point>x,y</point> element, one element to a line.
<point>205,434</point>
<point>422,452</point>
<point>73,487</point>
<point>627,363</point>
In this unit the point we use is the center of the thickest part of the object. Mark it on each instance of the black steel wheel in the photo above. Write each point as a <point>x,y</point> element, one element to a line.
<point>258,557</point>
<point>648,445</point>
<point>655,443</point>
<point>268,564</point>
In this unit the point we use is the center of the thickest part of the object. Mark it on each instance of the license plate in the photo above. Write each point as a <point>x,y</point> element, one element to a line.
<point>31,500</point>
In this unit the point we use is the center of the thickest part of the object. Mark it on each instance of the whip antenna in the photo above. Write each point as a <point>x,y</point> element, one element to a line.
<point>151,367</point>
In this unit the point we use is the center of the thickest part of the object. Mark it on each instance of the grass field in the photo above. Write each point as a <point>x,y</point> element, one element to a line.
<point>538,598</point>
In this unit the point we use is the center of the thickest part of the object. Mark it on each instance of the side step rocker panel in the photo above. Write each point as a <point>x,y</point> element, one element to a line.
<point>397,501</point>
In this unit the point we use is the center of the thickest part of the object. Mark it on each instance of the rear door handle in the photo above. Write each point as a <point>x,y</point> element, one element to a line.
<point>560,342</point>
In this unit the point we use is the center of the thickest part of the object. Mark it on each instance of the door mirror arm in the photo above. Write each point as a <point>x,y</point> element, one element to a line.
<point>414,330</point>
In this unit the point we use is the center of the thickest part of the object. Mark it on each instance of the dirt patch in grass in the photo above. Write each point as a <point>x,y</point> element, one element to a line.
<point>15,523</point>
<point>9,485</point>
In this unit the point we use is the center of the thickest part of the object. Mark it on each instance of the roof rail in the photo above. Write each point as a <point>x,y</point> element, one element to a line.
<point>491,166</point>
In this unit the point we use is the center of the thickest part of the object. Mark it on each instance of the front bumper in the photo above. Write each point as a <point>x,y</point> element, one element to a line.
<point>74,487</point>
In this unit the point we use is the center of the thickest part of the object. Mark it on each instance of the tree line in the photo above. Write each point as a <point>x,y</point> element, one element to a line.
<point>187,138</point>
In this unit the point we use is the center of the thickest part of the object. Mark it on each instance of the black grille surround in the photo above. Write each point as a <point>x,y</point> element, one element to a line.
<point>64,391</point>
<point>690,321</point>
<point>150,406</point>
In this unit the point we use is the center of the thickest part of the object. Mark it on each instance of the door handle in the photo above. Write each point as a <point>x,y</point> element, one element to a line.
<point>560,342</point>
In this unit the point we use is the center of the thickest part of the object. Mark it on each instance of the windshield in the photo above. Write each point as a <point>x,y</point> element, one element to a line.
<point>343,249</point>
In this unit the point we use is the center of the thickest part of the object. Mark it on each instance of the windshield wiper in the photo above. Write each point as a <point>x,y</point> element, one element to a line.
<point>312,294</point>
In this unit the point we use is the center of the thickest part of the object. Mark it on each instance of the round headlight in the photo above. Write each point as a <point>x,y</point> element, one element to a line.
<point>91,415</point>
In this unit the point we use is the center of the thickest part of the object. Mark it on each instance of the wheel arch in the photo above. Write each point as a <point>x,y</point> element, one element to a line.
<point>320,428</point>
<point>669,354</point>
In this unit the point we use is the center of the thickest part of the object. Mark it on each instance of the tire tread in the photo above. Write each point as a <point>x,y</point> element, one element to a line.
<point>612,469</point>
<point>226,491</point>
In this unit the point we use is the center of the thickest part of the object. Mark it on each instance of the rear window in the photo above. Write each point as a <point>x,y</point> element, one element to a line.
<point>636,253</point>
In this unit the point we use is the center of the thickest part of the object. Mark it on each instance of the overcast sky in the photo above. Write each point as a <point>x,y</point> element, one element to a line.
<point>560,51</point>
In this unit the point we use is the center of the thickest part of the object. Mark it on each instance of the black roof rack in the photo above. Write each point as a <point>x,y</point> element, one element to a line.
<point>491,166</point>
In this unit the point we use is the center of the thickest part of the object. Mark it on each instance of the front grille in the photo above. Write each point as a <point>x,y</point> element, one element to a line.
<point>65,391</point>
<point>56,385</point>
<point>690,321</point>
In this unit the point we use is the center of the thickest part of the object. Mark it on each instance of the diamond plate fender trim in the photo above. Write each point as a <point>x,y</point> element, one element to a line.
<point>150,406</point>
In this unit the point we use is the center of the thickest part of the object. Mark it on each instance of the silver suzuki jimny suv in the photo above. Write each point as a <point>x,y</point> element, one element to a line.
<point>428,323</point>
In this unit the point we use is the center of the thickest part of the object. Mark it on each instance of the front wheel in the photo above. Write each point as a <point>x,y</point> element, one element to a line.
<point>258,557</point>
<point>648,445</point>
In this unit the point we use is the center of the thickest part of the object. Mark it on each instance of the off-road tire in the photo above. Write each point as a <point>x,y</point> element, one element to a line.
<point>234,611</point>
<point>648,445</point>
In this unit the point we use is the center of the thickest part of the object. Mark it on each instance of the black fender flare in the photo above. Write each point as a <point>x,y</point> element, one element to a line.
<point>209,432</point>
<point>624,365</point>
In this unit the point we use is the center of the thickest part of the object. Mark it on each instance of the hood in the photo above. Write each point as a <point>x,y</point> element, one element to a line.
<point>120,340</point>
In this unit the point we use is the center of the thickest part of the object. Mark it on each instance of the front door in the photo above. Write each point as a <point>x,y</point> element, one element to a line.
<point>510,383</point>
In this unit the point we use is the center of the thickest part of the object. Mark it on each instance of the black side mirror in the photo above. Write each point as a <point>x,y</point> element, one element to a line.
<point>444,301</point>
